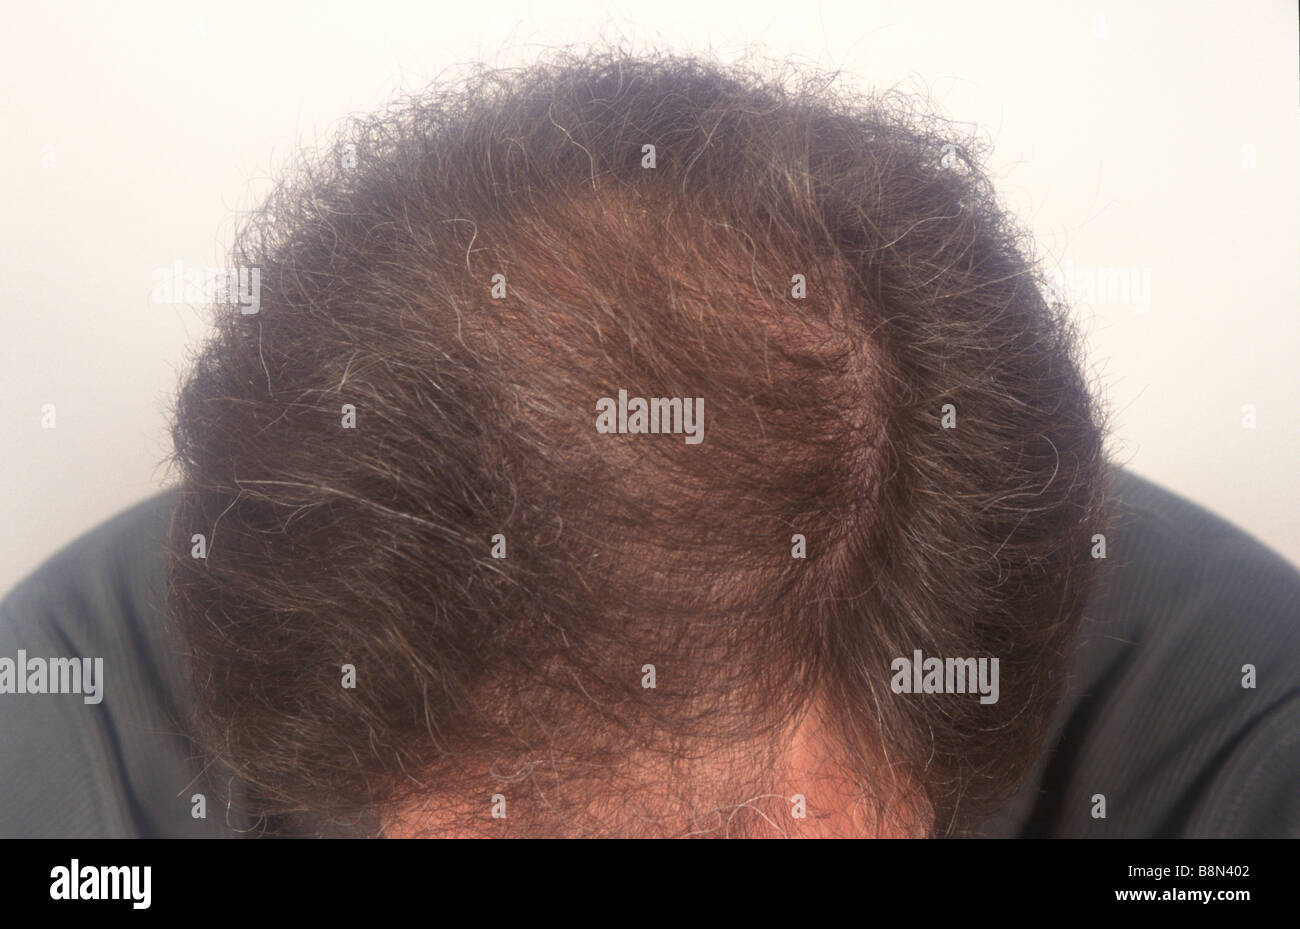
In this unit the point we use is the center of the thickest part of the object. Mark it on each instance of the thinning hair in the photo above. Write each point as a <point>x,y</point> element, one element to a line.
<point>916,414</point>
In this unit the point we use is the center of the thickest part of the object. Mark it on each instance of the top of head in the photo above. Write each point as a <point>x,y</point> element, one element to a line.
<point>811,276</point>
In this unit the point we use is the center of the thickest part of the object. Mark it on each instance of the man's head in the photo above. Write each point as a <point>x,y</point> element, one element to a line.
<point>416,460</point>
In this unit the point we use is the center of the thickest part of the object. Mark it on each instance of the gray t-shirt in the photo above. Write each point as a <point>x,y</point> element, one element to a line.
<point>1156,721</point>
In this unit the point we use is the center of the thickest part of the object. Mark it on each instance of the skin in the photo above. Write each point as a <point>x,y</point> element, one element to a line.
<point>834,806</point>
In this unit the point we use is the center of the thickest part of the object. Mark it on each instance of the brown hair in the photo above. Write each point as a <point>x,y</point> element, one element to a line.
<point>475,417</point>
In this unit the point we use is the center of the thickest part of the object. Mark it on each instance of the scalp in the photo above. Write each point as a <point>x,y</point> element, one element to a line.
<point>475,418</point>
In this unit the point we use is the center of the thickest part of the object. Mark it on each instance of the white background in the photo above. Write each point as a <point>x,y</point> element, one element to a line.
<point>1154,136</point>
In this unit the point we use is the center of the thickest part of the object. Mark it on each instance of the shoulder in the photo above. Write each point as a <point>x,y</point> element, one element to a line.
<point>1183,706</point>
<point>97,741</point>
